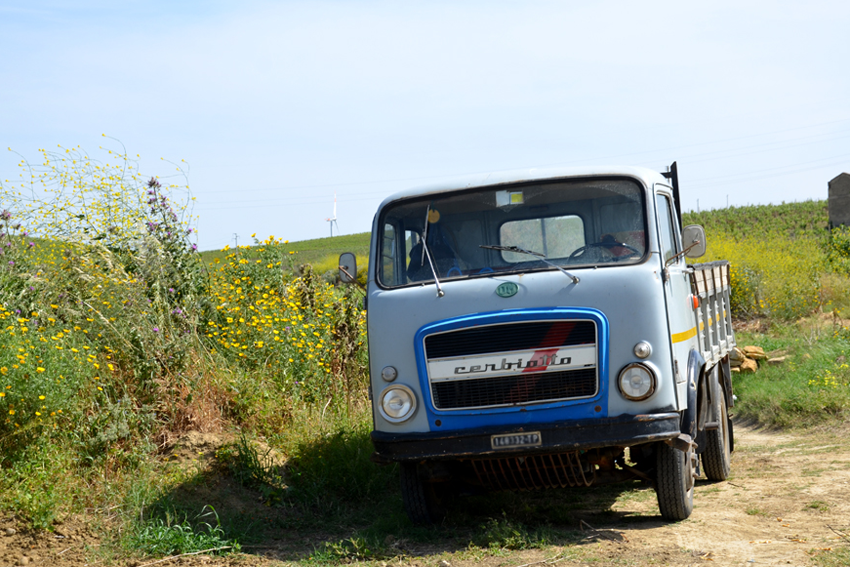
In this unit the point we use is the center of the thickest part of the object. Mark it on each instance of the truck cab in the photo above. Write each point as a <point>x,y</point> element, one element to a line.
<point>542,329</point>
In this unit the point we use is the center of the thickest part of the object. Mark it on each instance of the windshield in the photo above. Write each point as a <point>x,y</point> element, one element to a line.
<point>598,222</point>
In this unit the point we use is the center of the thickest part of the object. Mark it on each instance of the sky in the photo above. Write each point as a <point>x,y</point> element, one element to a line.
<point>278,106</point>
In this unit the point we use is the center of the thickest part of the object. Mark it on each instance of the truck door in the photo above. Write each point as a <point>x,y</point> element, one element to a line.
<point>677,290</point>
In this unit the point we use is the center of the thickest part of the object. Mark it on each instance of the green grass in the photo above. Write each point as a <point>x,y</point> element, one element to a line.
<point>817,505</point>
<point>313,251</point>
<point>173,533</point>
<point>839,557</point>
<point>809,389</point>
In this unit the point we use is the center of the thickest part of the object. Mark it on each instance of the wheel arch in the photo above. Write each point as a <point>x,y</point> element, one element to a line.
<point>696,363</point>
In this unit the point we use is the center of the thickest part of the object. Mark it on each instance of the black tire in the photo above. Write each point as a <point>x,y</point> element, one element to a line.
<point>717,457</point>
<point>674,483</point>
<point>420,498</point>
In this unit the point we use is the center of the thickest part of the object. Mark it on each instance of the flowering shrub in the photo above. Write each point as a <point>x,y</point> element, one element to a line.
<point>838,250</point>
<point>776,255</point>
<point>302,330</point>
<point>115,257</point>
<point>47,372</point>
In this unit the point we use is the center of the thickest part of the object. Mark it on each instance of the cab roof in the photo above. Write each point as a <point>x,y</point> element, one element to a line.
<point>647,176</point>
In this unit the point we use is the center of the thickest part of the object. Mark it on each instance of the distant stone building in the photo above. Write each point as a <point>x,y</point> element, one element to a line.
<point>839,201</point>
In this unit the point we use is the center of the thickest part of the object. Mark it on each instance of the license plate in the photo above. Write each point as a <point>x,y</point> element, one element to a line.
<point>512,440</point>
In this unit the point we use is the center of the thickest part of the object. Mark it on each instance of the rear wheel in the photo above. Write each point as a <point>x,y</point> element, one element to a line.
<point>420,498</point>
<point>674,483</point>
<point>717,457</point>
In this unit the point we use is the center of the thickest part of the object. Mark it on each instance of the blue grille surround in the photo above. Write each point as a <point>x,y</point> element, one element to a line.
<point>587,406</point>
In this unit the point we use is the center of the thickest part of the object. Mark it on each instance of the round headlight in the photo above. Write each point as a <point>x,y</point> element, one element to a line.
<point>637,382</point>
<point>397,403</point>
<point>389,373</point>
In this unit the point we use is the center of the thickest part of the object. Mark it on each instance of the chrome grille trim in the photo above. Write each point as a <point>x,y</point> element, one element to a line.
<point>500,387</point>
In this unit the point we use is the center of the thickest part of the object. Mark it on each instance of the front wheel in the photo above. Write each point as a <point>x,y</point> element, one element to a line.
<point>674,482</point>
<point>420,498</point>
<point>717,457</point>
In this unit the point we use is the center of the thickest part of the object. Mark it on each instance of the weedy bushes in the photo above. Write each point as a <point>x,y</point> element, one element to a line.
<point>775,278</point>
<point>838,250</point>
<point>99,318</point>
<point>777,255</point>
<point>306,334</point>
<point>114,333</point>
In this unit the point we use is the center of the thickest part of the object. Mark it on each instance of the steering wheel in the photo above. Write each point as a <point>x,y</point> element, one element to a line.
<point>579,253</point>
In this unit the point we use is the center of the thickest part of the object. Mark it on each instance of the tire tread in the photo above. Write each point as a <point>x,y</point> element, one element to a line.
<point>674,502</point>
<point>414,495</point>
<point>715,460</point>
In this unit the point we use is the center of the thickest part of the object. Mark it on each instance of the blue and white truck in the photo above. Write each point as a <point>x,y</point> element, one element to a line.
<point>541,329</point>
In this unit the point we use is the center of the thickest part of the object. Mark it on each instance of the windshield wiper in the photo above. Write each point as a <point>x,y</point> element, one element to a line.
<point>519,250</point>
<point>427,253</point>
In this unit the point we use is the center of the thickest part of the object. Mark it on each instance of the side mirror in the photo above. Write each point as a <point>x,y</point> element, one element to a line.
<point>348,268</point>
<point>693,241</point>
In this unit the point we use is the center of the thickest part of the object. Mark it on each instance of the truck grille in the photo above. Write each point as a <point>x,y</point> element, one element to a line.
<point>512,364</point>
<point>510,390</point>
<point>509,337</point>
<point>533,472</point>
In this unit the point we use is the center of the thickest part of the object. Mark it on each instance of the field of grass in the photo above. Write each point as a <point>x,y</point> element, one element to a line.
<point>319,252</point>
<point>118,342</point>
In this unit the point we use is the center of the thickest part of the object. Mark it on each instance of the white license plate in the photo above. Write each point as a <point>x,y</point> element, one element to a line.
<point>512,440</point>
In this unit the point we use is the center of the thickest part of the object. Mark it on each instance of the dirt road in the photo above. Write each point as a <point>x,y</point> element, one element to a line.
<point>786,502</point>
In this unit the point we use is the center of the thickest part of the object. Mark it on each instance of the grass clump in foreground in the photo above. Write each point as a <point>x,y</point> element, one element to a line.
<point>172,536</point>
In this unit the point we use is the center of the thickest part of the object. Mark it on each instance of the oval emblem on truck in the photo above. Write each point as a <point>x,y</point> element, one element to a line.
<point>507,289</point>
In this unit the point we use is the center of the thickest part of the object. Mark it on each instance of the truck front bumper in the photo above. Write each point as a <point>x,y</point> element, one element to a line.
<point>622,431</point>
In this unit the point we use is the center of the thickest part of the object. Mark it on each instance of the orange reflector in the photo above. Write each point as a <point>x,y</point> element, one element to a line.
<point>695,301</point>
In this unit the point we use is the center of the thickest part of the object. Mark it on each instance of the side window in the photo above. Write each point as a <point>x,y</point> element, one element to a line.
<point>666,226</point>
<point>388,255</point>
<point>411,239</point>
<point>555,237</point>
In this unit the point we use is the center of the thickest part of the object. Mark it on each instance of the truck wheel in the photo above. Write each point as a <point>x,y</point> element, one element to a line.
<point>674,482</point>
<point>717,457</point>
<point>420,498</point>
